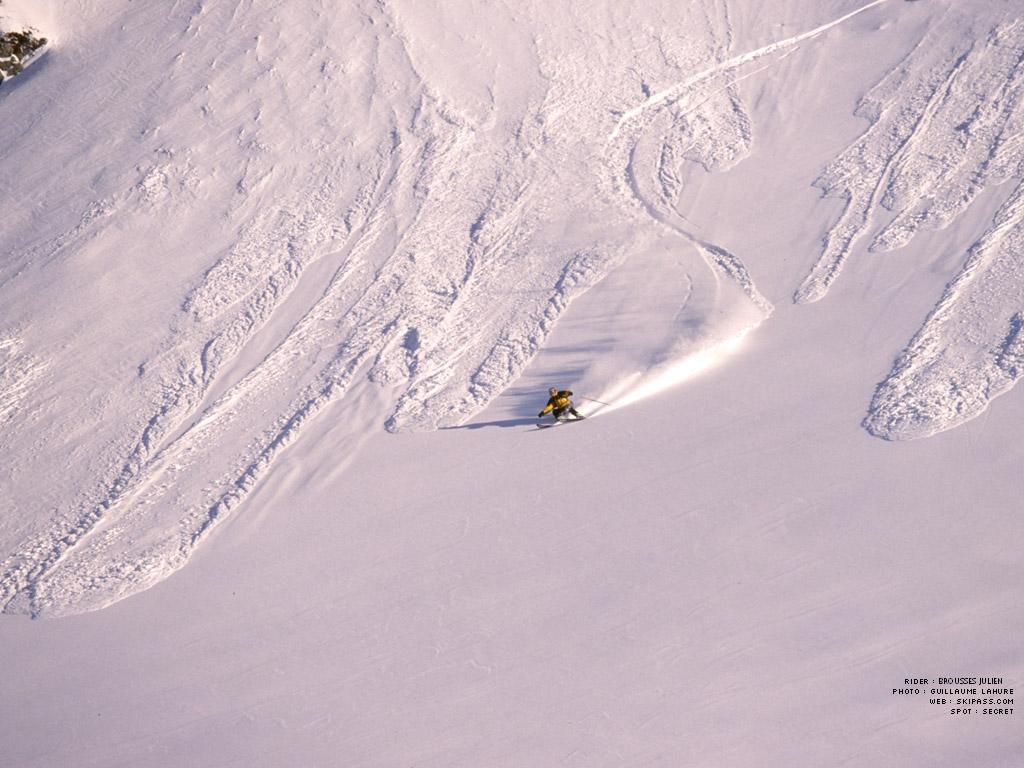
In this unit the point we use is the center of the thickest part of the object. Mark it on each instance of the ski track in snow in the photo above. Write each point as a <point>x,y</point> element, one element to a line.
<point>699,119</point>
<point>946,124</point>
<point>677,91</point>
<point>388,263</point>
<point>415,258</point>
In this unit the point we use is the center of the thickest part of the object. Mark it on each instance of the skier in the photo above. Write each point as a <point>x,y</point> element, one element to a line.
<point>559,403</point>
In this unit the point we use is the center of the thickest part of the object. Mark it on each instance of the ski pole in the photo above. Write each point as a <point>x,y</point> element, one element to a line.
<point>595,400</point>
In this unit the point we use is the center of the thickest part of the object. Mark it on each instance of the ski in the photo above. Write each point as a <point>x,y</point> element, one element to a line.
<point>555,423</point>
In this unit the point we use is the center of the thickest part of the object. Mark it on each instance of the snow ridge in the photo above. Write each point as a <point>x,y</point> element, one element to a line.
<point>694,134</point>
<point>675,92</point>
<point>19,374</point>
<point>969,349</point>
<point>412,264</point>
<point>406,253</point>
<point>946,124</point>
<point>701,120</point>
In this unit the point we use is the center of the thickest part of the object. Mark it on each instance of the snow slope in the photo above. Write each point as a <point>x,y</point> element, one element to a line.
<point>327,231</point>
<point>284,299</point>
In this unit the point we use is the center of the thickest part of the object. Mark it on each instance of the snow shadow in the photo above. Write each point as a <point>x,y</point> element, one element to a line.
<point>523,422</point>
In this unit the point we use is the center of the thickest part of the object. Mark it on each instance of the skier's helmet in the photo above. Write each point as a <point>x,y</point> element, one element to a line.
<point>553,391</point>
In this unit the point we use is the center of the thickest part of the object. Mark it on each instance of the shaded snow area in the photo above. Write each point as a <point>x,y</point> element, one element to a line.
<point>283,287</point>
<point>360,220</point>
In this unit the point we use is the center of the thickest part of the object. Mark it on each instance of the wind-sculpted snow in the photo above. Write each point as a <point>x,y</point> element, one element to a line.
<point>380,236</point>
<point>946,125</point>
<point>970,349</point>
<point>19,372</point>
<point>699,118</point>
<point>283,286</point>
<point>382,239</point>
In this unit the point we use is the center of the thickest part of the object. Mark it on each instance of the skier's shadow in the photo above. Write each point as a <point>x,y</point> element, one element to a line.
<point>500,423</point>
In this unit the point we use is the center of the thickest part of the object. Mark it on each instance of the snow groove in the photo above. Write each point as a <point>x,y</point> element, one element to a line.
<point>121,540</point>
<point>709,126</point>
<point>969,349</point>
<point>436,265</point>
<point>412,256</point>
<point>19,374</point>
<point>254,290</point>
<point>946,124</point>
<point>681,89</point>
<point>513,350</point>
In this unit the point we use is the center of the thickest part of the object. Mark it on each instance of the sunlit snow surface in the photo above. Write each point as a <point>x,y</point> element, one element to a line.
<point>671,374</point>
<point>316,264</point>
<point>946,124</point>
<point>303,227</point>
<point>292,229</point>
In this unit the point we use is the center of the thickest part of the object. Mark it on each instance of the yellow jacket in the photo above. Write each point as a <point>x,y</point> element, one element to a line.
<point>558,400</point>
